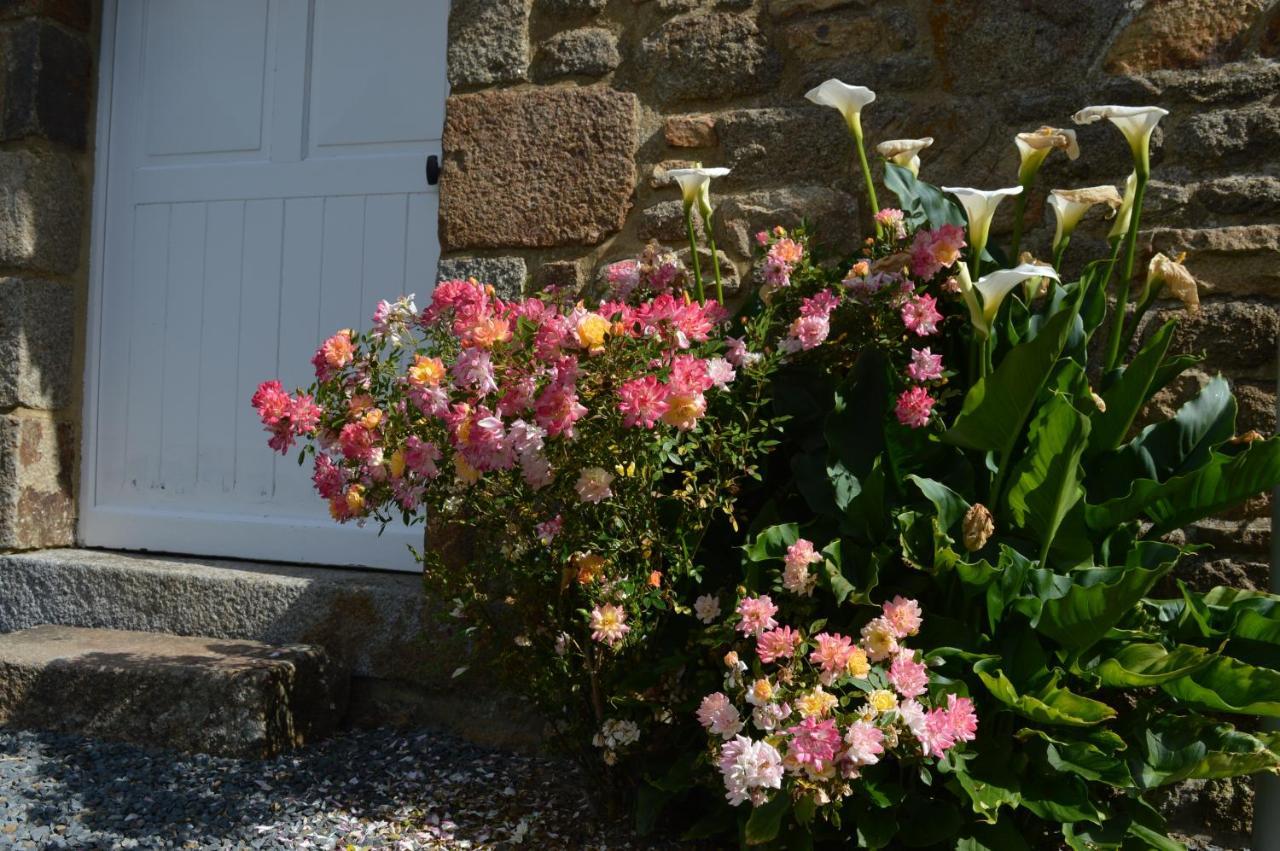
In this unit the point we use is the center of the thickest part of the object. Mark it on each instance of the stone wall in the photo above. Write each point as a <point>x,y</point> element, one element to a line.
<point>565,114</point>
<point>46,85</point>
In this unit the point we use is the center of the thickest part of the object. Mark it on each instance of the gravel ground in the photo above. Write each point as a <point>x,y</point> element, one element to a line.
<point>368,789</point>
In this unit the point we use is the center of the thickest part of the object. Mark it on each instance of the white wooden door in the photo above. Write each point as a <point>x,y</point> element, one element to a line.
<point>264,165</point>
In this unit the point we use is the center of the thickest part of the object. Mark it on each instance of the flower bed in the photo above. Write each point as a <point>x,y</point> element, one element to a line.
<point>864,560</point>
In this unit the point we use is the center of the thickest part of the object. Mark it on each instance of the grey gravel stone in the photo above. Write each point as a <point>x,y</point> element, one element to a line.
<point>590,52</point>
<point>507,274</point>
<point>368,789</point>
<point>488,42</point>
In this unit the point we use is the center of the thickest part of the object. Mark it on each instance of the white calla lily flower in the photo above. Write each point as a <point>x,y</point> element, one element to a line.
<point>905,152</point>
<point>1125,213</point>
<point>848,99</point>
<point>1033,148</point>
<point>980,207</point>
<point>695,184</point>
<point>1070,205</point>
<point>994,287</point>
<point>1136,122</point>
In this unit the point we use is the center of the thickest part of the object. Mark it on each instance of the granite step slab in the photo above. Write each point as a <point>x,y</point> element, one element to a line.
<point>205,695</point>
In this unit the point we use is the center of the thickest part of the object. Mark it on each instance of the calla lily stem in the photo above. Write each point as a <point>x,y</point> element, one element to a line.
<point>693,255</point>
<point>866,176</point>
<point>715,256</point>
<point>1059,250</point>
<point>1122,289</point>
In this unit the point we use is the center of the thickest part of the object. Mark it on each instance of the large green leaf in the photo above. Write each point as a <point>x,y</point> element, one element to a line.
<point>1142,665</point>
<point>948,504</point>
<point>854,429</point>
<point>1049,704</point>
<point>772,543</point>
<point>766,820</point>
<point>990,780</point>
<point>924,203</point>
<point>1097,600</point>
<point>1183,442</point>
<point>1169,748</point>
<point>1222,482</point>
<point>1126,396</point>
<point>1046,481</point>
<point>1228,685</point>
<point>998,406</point>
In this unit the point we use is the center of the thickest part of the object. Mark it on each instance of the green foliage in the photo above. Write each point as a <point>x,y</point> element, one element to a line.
<point>1091,690</point>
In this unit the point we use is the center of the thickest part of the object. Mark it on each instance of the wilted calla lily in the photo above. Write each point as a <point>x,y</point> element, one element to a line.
<point>1174,278</point>
<point>848,99</point>
<point>994,287</point>
<point>905,152</point>
<point>1070,205</point>
<point>1136,122</point>
<point>1033,148</point>
<point>980,206</point>
<point>695,183</point>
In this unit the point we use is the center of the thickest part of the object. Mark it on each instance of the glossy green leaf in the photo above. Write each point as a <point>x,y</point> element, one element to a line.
<point>1221,483</point>
<point>1097,599</point>
<point>923,202</point>
<point>1183,442</point>
<point>998,406</point>
<point>1228,685</point>
<point>765,821</point>
<point>1142,665</point>
<point>1093,756</point>
<point>1045,483</point>
<point>1126,396</point>
<point>772,543</point>
<point>1049,704</point>
<point>1171,748</point>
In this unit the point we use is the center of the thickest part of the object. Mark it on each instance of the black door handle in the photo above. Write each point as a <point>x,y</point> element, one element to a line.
<point>433,170</point>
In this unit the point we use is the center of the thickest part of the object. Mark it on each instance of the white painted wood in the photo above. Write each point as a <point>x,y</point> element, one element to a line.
<point>260,184</point>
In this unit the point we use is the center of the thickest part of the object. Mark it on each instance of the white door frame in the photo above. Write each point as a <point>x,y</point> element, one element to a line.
<point>99,518</point>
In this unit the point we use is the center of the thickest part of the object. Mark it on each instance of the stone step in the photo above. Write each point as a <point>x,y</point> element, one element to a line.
<point>224,697</point>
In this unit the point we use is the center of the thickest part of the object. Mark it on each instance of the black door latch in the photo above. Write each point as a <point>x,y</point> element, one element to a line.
<point>433,170</point>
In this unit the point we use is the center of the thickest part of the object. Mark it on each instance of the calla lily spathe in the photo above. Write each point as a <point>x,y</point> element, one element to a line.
<point>905,152</point>
<point>1136,122</point>
<point>1070,205</point>
<point>980,207</point>
<point>1033,148</point>
<point>848,99</point>
<point>695,184</point>
<point>1125,213</point>
<point>993,288</point>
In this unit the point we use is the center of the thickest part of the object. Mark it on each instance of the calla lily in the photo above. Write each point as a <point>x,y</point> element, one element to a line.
<point>1136,122</point>
<point>980,207</point>
<point>905,152</point>
<point>695,184</point>
<point>848,99</point>
<point>1070,205</point>
<point>1033,148</point>
<point>994,287</point>
<point>1125,213</point>
<point>1173,277</point>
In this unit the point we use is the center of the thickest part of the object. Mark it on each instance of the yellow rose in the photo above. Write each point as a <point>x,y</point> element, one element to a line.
<point>858,666</point>
<point>396,464</point>
<point>882,700</point>
<point>592,329</point>
<point>355,499</point>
